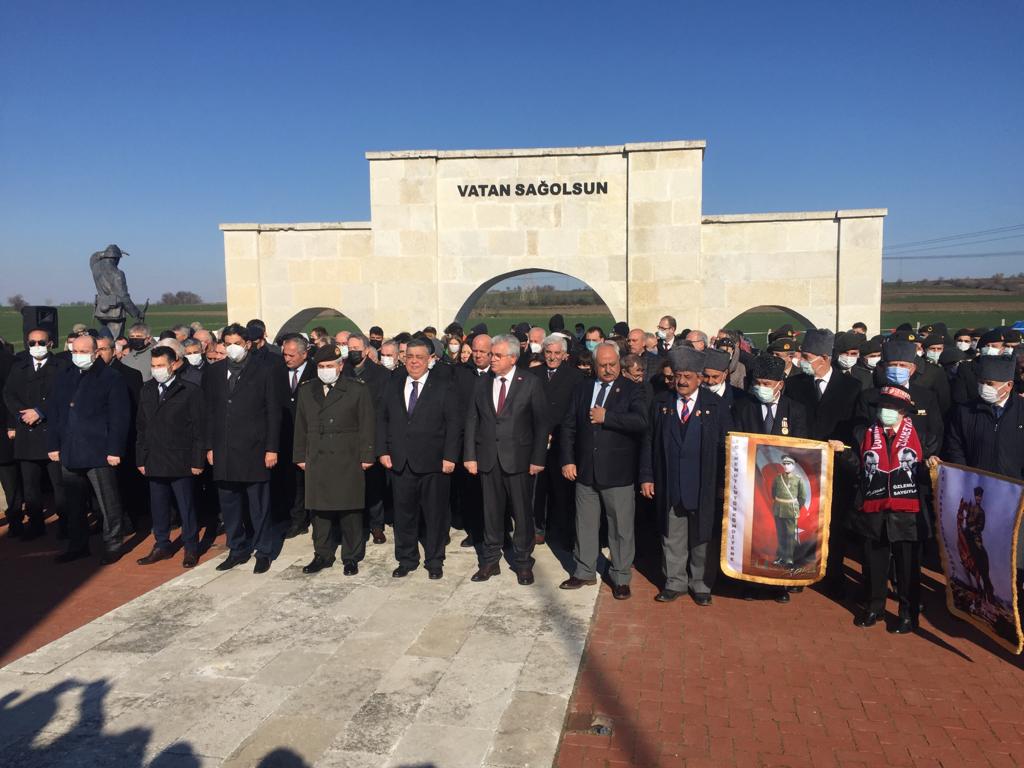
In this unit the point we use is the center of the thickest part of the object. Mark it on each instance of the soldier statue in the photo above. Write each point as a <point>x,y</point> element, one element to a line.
<point>112,299</point>
<point>788,497</point>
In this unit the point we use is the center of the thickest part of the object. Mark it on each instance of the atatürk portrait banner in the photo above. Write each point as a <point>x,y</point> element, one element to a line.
<point>979,515</point>
<point>778,500</point>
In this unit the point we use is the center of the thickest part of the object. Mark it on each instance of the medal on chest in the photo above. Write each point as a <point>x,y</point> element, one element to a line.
<point>785,425</point>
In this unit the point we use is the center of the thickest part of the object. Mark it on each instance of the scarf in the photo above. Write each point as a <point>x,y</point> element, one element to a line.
<point>890,489</point>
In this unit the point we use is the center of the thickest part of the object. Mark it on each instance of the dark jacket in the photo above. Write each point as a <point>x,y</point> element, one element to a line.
<point>515,439</point>
<point>558,391</point>
<point>834,416</point>
<point>243,424</point>
<point>790,417</point>
<point>290,400</point>
<point>606,455</point>
<point>6,444</point>
<point>714,421</point>
<point>976,439</point>
<point>90,412</point>
<point>374,376</point>
<point>28,388</point>
<point>333,438</point>
<point>170,435</point>
<point>432,434</point>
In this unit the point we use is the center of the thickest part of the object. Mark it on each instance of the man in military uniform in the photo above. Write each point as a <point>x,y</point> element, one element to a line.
<point>112,298</point>
<point>785,349</point>
<point>788,497</point>
<point>974,525</point>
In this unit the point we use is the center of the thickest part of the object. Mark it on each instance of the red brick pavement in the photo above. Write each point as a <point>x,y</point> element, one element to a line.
<point>41,601</point>
<point>762,684</point>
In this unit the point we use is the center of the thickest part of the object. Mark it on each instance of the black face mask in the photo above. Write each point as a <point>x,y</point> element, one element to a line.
<point>355,358</point>
<point>136,345</point>
<point>376,343</point>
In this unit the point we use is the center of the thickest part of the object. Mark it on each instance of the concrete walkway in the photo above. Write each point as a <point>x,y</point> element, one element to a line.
<point>233,669</point>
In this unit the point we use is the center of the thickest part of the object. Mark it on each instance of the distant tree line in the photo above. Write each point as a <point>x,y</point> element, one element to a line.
<point>181,297</point>
<point>997,282</point>
<point>539,296</point>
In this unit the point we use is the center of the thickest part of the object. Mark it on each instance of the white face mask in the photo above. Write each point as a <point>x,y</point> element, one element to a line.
<point>661,334</point>
<point>432,363</point>
<point>535,348</point>
<point>933,355</point>
<point>327,375</point>
<point>38,352</point>
<point>872,361</point>
<point>763,394</point>
<point>83,360</point>
<point>1007,351</point>
<point>718,389</point>
<point>236,352</point>
<point>847,361</point>
<point>806,367</point>
<point>388,361</point>
<point>991,351</point>
<point>963,346</point>
<point>344,351</point>
<point>888,416</point>
<point>194,358</point>
<point>161,375</point>
<point>454,348</point>
<point>988,393</point>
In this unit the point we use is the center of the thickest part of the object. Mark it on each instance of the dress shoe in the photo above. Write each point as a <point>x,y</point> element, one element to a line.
<point>538,539</point>
<point>296,530</point>
<point>262,565</point>
<point>867,619</point>
<point>485,572</point>
<point>110,557</point>
<point>191,559</point>
<point>667,595</point>
<point>525,577</point>
<point>703,599</point>
<point>435,573</point>
<point>794,590</point>
<point>155,556</point>
<point>351,569</point>
<point>316,565</point>
<point>401,572</point>
<point>621,592</point>
<point>232,561</point>
<point>782,596</point>
<point>466,542</point>
<point>71,555</point>
<point>378,536</point>
<point>573,583</point>
<point>904,626</point>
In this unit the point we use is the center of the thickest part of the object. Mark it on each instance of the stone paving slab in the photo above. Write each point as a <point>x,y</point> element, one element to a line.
<point>284,669</point>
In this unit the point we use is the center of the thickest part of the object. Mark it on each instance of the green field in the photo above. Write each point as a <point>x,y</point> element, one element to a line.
<point>159,318</point>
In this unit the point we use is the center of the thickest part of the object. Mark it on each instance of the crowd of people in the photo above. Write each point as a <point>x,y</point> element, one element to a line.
<point>573,438</point>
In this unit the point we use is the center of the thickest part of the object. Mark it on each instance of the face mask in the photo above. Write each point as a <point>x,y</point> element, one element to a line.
<point>236,352</point>
<point>327,375</point>
<point>763,394</point>
<point>355,357</point>
<point>592,345</point>
<point>806,367</point>
<point>897,375</point>
<point>920,353</point>
<point>136,345</point>
<point>788,468</point>
<point>1007,351</point>
<point>963,346</point>
<point>83,360</point>
<point>431,363</point>
<point>871,362</point>
<point>661,334</point>
<point>375,343</point>
<point>344,351</point>
<point>847,361</point>
<point>161,374</point>
<point>933,355</point>
<point>888,416</point>
<point>988,393</point>
<point>38,352</point>
<point>991,351</point>
<point>535,348</point>
<point>388,361</point>
<point>453,348</point>
<point>974,343</point>
<point>194,358</point>
<point>718,389</point>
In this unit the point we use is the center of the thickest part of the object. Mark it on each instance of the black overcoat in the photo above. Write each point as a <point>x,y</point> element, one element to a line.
<point>170,435</point>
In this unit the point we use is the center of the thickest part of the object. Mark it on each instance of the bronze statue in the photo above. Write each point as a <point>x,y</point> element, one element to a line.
<point>112,298</point>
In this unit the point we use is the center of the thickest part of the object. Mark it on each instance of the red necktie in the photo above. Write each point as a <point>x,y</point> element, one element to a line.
<point>501,395</point>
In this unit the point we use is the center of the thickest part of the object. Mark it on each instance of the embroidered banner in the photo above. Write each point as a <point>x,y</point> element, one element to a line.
<point>778,499</point>
<point>979,515</point>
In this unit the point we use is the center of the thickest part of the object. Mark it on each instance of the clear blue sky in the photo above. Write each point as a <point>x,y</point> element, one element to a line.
<point>146,124</point>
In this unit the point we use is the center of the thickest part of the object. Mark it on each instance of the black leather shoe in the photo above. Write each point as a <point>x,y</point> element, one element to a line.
<point>351,569</point>
<point>466,542</point>
<point>316,565</point>
<point>621,592</point>
<point>401,572</point>
<point>191,559</point>
<point>232,561</point>
<point>667,595</point>
<point>867,619</point>
<point>155,556</point>
<point>485,572</point>
<point>904,626</point>
<point>435,573</point>
<point>71,555</point>
<point>296,530</point>
<point>573,583</point>
<point>795,590</point>
<point>378,536</point>
<point>262,565</point>
<point>525,577</point>
<point>110,556</point>
<point>782,596</point>
<point>703,599</point>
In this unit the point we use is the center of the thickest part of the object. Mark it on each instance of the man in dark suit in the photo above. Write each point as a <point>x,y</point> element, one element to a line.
<point>170,453</point>
<point>289,484</point>
<point>27,394</point>
<point>89,435</point>
<point>649,361</point>
<point>602,431</point>
<point>832,404</point>
<point>679,468</point>
<point>243,396</point>
<point>132,486</point>
<point>10,480</point>
<point>552,495</point>
<point>505,441</point>
<point>334,434</point>
<point>418,439</point>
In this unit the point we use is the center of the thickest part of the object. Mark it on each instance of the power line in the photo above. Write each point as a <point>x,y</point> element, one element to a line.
<point>964,244</point>
<point>960,236</point>
<point>986,255</point>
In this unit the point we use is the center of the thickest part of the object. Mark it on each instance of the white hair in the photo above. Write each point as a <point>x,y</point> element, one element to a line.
<point>555,338</point>
<point>509,341</point>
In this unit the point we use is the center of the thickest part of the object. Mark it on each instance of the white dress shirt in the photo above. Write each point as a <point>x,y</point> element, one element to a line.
<point>408,387</point>
<point>691,401</point>
<point>824,379</point>
<point>496,386</point>
<point>597,391</point>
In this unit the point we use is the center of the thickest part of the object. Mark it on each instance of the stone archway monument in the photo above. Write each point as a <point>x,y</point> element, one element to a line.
<point>626,219</point>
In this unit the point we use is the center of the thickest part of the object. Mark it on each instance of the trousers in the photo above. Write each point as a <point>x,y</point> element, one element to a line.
<point>421,514</point>
<point>906,556</point>
<point>619,507</point>
<point>79,484</point>
<point>255,530</point>
<point>327,524</point>
<point>502,490</point>
<point>182,490</point>
<point>685,566</point>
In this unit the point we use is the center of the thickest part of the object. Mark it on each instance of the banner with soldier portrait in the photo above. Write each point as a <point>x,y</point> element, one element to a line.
<point>778,500</point>
<point>979,516</point>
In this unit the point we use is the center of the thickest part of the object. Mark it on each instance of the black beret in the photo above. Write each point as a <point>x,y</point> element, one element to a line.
<point>479,328</point>
<point>904,335</point>
<point>939,329</point>
<point>995,368</point>
<point>897,397</point>
<point>979,331</point>
<point>818,341</point>
<point>782,332</point>
<point>962,332</point>
<point>686,359</point>
<point>950,354</point>
<point>620,329</point>
<point>521,334</point>
<point>768,366</point>
<point>872,345</point>
<point>327,354</point>
<point>784,344</point>
<point>848,340</point>
<point>717,360</point>
<point>934,340</point>
<point>904,327</point>
<point>996,334</point>
<point>1012,336</point>
<point>899,351</point>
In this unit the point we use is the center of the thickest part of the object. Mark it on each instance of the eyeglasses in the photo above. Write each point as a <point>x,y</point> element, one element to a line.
<point>37,343</point>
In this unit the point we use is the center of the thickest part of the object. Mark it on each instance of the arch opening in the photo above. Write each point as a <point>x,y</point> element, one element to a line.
<point>533,295</point>
<point>311,317</point>
<point>757,322</point>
